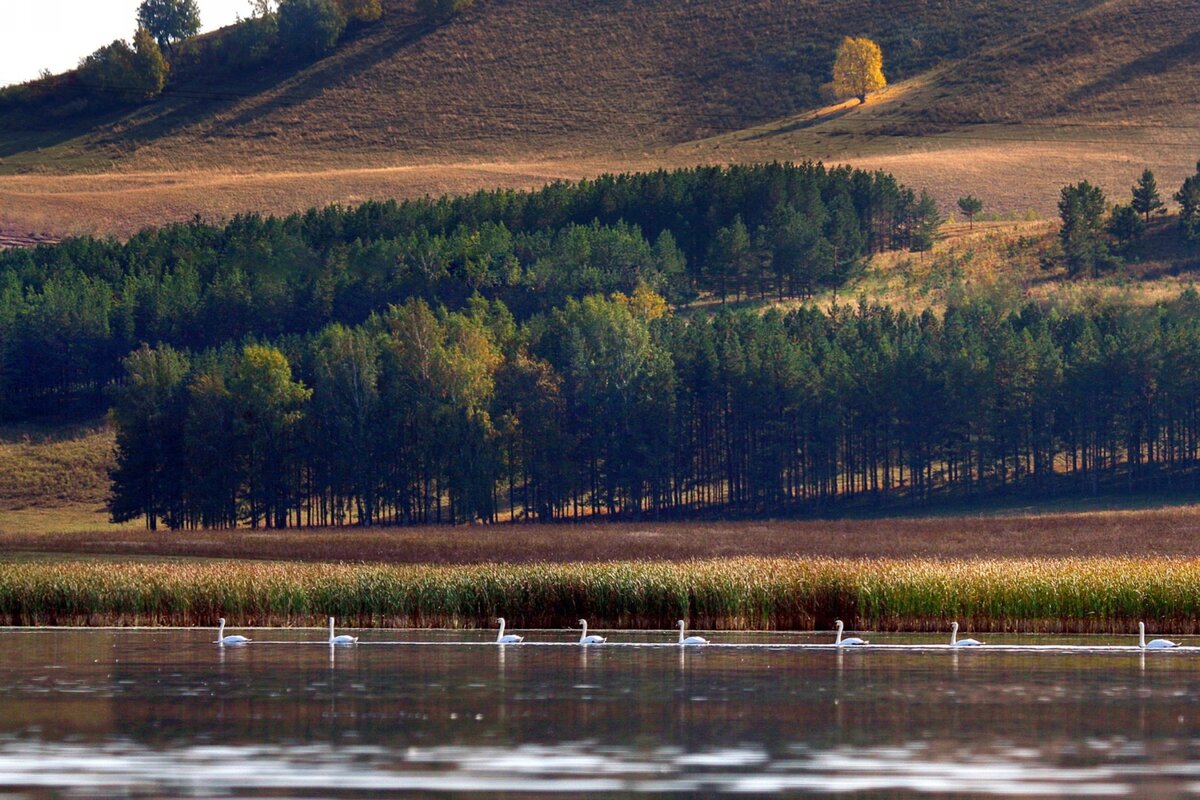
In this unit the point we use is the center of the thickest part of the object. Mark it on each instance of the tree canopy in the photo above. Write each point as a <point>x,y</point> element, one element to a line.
<point>169,20</point>
<point>858,68</point>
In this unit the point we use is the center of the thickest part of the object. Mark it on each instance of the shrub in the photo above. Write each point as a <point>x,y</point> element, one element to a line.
<point>117,73</point>
<point>361,10</point>
<point>310,28</point>
<point>442,10</point>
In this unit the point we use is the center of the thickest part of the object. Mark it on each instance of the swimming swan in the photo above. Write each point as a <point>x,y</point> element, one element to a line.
<point>957,642</point>
<point>1153,644</point>
<point>849,640</point>
<point>690,639</point>
<point>511,638</point>
<point>585,639</point>
<point>223,640</point>
<point>343,639</point>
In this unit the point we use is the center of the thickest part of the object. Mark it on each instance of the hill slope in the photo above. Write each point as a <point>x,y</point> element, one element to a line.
<point>515,78</point>
<point>1009,99</point>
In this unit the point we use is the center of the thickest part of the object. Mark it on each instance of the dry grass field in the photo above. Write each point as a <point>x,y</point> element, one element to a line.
<point>1015,533</point>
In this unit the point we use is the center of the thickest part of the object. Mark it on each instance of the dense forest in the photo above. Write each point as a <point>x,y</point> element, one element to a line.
<point>538,356</point>
<point>70,312</point>
<point>615,406</point>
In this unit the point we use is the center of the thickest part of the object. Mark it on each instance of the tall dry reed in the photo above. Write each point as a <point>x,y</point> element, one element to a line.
<point>1067,595</point>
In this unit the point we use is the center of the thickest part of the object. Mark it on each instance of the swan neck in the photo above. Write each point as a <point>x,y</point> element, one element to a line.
<point>839,632</point>
<point>500,635</point>
<point>1142,635</point>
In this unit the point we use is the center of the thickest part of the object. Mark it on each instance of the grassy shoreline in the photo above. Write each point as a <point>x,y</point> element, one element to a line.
<point>1058,595</point>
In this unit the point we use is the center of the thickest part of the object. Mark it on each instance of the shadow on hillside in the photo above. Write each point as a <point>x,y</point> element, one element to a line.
<point>26,132</point>
<point>196,102</point>
<point>1182,54</point>
<point>801,124</point>
<point>316,78</point>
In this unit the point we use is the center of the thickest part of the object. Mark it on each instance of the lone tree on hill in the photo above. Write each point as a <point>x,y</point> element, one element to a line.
<point>169,20</point>
<point>858,69</point>
<point>970,206</point>
<point>1145,195</point>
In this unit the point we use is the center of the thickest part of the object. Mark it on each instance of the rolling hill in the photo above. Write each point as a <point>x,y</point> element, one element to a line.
<point>1007,99</point>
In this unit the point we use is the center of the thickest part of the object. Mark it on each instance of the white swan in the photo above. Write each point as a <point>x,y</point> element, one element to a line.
<point>223,640</point>
<point>511,638</point>
<point>343,639</point>
<point>585,639</point>
<point>1153,644</point>
<point>957,642</point>
<point>690,639</point>
<point>849,640</point>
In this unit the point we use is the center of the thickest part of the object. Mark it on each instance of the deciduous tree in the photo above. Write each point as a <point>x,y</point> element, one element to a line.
<point>169,20</point>
<point>310,28</point>
<point>858,68</point>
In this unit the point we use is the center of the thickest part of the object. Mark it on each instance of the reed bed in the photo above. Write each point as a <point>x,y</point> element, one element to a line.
<point>1059,595</point>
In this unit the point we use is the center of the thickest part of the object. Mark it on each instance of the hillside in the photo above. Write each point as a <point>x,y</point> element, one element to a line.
<point>1007,99</point>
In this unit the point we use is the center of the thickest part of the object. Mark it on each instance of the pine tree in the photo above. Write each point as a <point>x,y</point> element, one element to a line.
<point>1081,207</point>
<point>925,223</point>
<point>1188,198</point>
<point>1145,196</point>
<point>970,205</point>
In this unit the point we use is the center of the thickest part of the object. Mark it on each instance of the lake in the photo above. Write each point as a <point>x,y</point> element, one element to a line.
<point>148,713</point>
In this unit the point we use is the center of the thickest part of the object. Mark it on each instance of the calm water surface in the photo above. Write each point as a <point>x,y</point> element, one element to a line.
<point>166,713</point>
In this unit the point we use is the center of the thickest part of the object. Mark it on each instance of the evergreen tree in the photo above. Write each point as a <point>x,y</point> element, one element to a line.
<point>1145,196</point>
<point>925,223</point>
<point>1081,208</point>
<point>148,408</point>
<point>1188,198</point>
<point>970,206</point>
<point>1125,225</point>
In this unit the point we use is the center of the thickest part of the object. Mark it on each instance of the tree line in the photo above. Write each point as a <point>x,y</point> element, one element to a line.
<point>70,312</point>
<point>616,407</point>
<point>1095,238</point>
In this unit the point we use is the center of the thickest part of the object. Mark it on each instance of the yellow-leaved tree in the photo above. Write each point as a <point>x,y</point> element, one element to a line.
<point>858,69</point>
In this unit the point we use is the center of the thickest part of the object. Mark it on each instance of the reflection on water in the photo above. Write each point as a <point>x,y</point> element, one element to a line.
<point>153,713</point>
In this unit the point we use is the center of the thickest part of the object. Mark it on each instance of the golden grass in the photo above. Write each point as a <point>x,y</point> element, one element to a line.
<point>54,467</point>
<point>1062,595</point>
